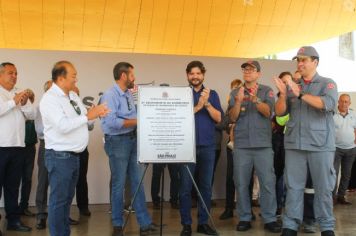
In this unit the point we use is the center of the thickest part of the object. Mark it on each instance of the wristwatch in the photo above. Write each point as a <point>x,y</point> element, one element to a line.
<point>301,94</point>
<point>258,101</point>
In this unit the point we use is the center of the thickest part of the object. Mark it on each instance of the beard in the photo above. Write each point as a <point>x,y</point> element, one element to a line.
<point>195,82</point>
<point>130,84</point>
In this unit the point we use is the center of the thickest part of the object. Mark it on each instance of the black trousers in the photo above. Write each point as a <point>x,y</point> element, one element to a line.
<point>230,187</point>
<point>309,201</point>
<point>82,184</point>
<point>157,171</point>
<point>352,183</point>
<point>26,179</point>
<point>279,162</point>
<point>11,162</point>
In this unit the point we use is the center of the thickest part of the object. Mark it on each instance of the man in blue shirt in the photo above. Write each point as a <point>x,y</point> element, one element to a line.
<point>119,128</point>
<point>208,112</point>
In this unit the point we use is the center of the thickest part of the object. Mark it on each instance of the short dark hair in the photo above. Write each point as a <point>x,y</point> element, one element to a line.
<point>2,65</point>
<point>315,58</point>
<point>121,67</point>
<point>284,73</point>
<point>59,69</point>
<point>194,64</point>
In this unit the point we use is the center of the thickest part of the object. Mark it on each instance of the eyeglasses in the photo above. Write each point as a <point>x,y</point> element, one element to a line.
<point>248,70</point>
<point>129,106</point>
<point>75,107</point>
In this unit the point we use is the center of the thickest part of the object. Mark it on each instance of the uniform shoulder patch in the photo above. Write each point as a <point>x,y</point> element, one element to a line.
<point>331,86</point>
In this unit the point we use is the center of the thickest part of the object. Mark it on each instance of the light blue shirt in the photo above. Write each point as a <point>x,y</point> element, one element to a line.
<point>122,108</point>
<point>345,130</point>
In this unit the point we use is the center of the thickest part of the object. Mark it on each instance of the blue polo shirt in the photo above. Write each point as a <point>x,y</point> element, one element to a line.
<point>204,124</point>
<point>122,108</point>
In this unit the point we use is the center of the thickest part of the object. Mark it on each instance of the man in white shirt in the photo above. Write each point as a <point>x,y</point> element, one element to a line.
<point>345,142</point>
<point>14,109</point>
<point>65,121</point>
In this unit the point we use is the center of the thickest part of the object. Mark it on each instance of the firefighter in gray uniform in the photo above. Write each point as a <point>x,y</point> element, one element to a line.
<point>309,142</point>
<point>251,107</point>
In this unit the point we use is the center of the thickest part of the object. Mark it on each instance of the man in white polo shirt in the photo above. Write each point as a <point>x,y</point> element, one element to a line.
<point>345,139</point>
<point>65,121</point>
<point>14,110</point>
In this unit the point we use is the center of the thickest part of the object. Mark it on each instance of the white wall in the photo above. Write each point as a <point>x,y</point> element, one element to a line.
<point>95,75</point>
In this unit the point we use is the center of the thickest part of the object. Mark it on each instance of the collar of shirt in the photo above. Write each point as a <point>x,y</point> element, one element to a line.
<point>58,91</point>
<point>339,113</point>
<point>119,90</point>
<point>7,92</point>
<point>201,89</point>
<point>253,89</point>
<point>316,79</point>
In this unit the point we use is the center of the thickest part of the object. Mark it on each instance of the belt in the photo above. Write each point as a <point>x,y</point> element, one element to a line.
<point>73,153</point>
<point>132,133</point>
<point>70,152</point>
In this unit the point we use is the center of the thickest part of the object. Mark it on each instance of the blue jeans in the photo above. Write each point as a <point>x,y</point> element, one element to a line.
<point>205,158</point>
<point>63,170</point>
<point>122,152</point>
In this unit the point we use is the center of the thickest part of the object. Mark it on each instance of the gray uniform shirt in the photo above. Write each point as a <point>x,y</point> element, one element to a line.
<point>252,129</point>
<point>309,128</point>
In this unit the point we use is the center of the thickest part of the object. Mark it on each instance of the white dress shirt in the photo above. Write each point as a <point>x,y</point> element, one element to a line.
<point>64,129</point>
<point>39,124</point>
<point>12,119</point>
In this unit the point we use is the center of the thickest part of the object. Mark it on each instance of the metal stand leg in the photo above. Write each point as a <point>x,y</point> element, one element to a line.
<point>201,198</point>
<point>134,197</point>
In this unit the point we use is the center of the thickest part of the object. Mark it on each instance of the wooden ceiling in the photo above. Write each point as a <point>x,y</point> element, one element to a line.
<point>224,28</point>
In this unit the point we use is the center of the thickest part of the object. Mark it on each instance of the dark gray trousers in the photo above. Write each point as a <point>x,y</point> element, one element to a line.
<point>345,158</point>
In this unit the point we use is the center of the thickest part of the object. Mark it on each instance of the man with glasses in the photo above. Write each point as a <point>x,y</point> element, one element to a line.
<point>119,128</point>
<point>14,110</point>
<point>309,142</point>
<point>65,122</point>
<point>251,107</point>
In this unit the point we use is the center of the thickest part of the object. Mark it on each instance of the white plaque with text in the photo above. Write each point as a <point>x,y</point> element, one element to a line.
<point>166,127</point>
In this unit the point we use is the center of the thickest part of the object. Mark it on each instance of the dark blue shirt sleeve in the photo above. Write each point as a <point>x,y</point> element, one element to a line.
<point>215,102</point>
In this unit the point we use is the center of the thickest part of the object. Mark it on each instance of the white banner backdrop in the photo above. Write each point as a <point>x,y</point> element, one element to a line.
<point>95,76</point>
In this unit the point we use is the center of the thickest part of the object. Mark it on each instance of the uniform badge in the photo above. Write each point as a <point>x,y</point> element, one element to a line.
<point>331,86</point>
